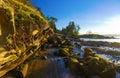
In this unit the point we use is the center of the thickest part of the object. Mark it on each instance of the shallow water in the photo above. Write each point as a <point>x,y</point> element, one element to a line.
<point>118,75</point>
<point>115,59</point>
<point>110,48</point>
<point>104,40</point>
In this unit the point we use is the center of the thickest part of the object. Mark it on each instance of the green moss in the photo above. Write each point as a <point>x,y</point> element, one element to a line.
<point>95,59</point>
<point>63,52</point>
<point>74,60</point>
<point>34,16</point>
<point>8,14</point>
<point>74,65</point>
<point>24,13</point>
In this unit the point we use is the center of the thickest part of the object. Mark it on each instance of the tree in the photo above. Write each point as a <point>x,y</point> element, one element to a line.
<point>52,21</point>
<point>89,32</point>
<point>71,29</point>
<point>76,32</point>
<point>40,11</point>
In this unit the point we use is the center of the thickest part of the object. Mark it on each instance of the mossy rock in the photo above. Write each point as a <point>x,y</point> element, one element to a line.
<point>87,52</point>
<point>74,60</point>
<point>97,65</point>
<point>73,64</point>
<point>118,68</point>
<point>108,73</point>
<point>14,74</point>
<point>63,42</point>
<point>63,52</point>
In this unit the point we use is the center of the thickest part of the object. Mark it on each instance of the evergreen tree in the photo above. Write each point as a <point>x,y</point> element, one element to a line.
<point>52,21</point>
<point>71,29</point>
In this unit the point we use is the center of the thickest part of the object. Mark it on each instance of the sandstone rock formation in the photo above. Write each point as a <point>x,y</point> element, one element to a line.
<point>22,32</point>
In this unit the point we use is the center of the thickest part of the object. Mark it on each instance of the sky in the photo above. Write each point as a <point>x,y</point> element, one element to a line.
<point>97,16</point>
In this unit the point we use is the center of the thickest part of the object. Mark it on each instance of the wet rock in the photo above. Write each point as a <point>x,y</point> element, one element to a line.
<point>44,57</point>
<point>108,73</point>
<point>63,52</point>
<point>73,65</point>
<point>96,65</point>
<point>91,65</point>
<point>118,68</point>
<point>58,40</point>
<point>14,74</point>
<point>87,52</point>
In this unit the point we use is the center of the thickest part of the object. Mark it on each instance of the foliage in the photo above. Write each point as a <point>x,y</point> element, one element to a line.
<point>40,11</point>
<point>52,21</point>
<point>27,2</point>
<point>71,29</point>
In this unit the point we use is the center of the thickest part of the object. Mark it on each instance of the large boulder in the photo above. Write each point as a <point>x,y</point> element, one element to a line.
<point>96,65</point>
<point>87,52</point>
<point>63,52</point>
<point>91,66</point>
<point>59,40</point>
<point>73,64</point>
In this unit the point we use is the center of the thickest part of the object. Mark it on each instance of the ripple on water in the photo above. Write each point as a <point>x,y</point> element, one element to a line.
<point>118,75</point>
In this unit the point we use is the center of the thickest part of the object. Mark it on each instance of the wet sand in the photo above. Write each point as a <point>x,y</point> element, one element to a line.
<point>50,68</point>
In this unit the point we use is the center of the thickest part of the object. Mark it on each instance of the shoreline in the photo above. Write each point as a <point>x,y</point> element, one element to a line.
<point>100,43</point>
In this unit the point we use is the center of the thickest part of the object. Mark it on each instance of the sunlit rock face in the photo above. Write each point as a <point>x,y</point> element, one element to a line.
<point>16,16</point>
<point>22,32</point>
<point>6,25</point>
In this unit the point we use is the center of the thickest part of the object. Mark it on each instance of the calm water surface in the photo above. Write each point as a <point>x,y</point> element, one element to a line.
<point>104,40</point>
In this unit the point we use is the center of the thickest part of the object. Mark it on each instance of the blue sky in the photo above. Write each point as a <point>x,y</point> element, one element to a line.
<point>98,16</point>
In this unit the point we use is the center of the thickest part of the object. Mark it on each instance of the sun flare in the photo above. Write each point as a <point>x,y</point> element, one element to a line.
<point>109,26</point>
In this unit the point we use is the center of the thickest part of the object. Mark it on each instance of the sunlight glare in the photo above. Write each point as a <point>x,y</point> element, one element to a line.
<point>110,26</point>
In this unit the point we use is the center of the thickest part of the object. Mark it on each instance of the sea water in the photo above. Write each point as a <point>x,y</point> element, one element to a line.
<point>104,40</point>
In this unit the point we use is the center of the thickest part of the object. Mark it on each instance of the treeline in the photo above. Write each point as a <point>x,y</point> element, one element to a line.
<point>70,29</point>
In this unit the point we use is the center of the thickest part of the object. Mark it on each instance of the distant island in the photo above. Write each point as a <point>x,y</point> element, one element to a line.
<point>96,36</point>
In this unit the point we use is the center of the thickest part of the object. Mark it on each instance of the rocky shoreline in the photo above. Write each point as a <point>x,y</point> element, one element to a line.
<point>30,33</point>
<point>100,43</point>
<point>78,65</point>
<point>96,36</point>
